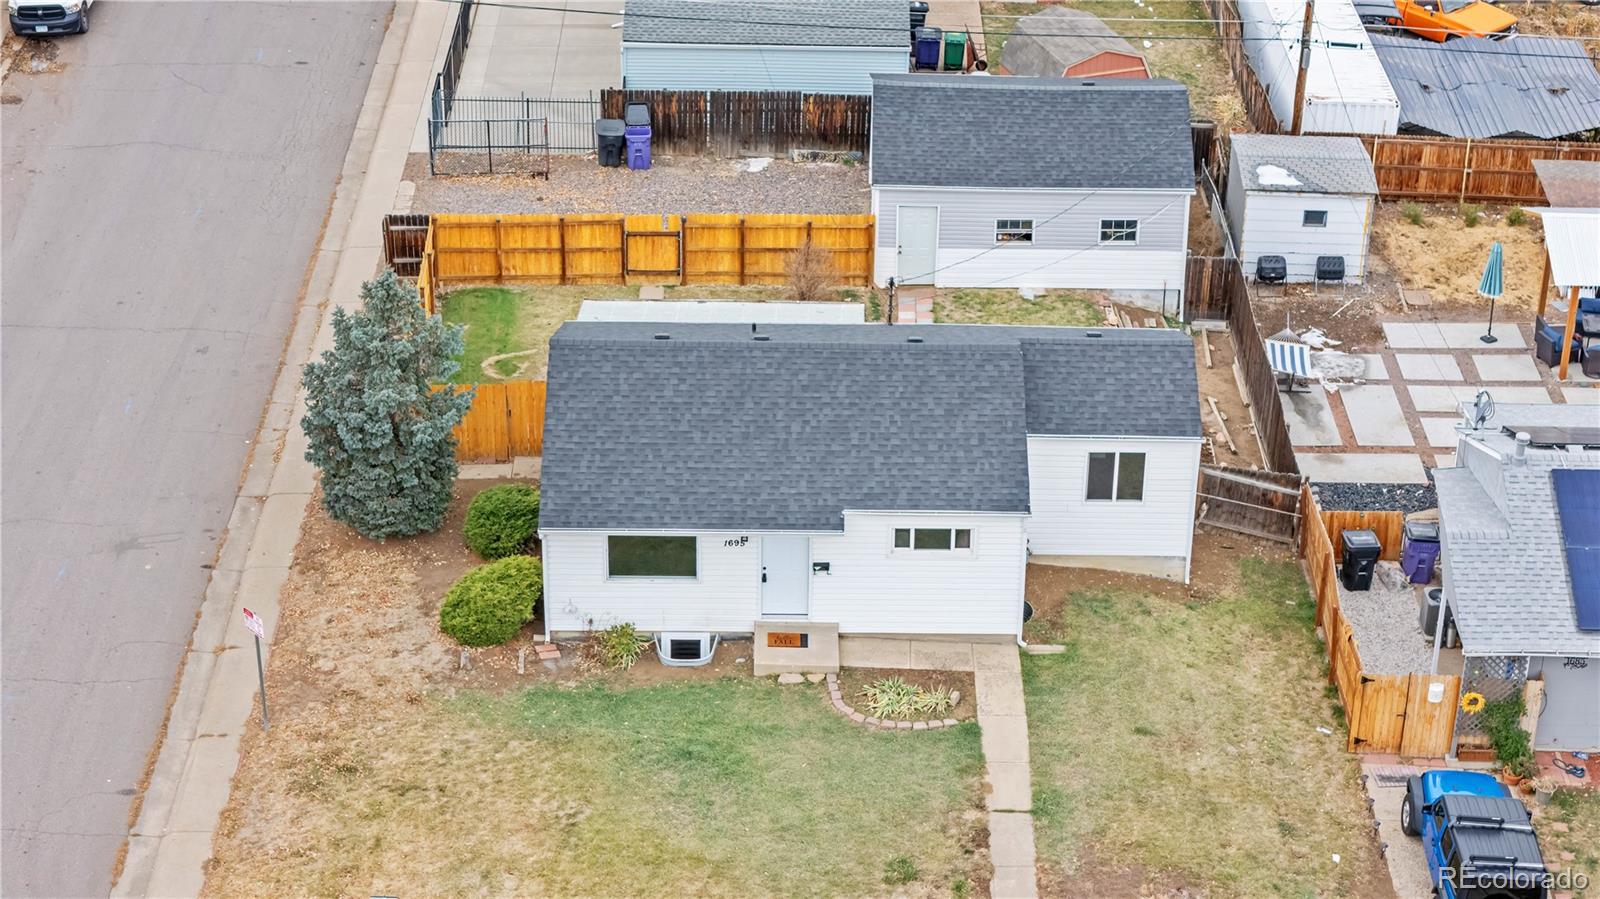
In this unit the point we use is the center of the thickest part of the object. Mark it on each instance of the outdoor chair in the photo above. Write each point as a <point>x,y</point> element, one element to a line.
<point>1547,343</point>
<point>1588,306</point>
<point>1330,270</point>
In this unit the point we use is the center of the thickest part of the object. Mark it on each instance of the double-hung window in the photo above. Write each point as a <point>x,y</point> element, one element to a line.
<point>932,539</point>
<point>1116,477</point>
<point>1119,230</point>
<point>651,556</point>
<point>1013,231</point>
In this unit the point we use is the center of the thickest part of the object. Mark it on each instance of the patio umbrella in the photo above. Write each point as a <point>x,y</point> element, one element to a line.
<point>1492,286</point>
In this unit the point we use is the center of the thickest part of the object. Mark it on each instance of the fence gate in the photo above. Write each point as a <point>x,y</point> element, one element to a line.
<point>1259,503</point>
<point>652,247</point>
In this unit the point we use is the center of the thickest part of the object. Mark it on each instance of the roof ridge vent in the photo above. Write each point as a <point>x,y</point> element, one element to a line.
<point>663,336</point>
<point>913,339</point>
<point>1094,334</point>
<point>763,337</point>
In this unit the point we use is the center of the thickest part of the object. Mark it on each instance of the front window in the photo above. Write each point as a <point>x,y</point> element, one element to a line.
<point>1314,218</point>
<point>636,556</point>
<point>1013,231</point>
<point>1119,230</point>
<point>945,539</point>
<point>1116,477</point>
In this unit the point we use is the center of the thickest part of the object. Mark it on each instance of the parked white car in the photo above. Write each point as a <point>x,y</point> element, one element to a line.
<point>37,18</point>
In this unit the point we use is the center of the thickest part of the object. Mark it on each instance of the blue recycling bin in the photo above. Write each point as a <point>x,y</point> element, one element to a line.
<point>929,43</point>
<point>1420,551</point>
<point>638,147</point>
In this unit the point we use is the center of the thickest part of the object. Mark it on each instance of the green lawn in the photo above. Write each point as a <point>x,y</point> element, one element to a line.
<point>1004,306</point>
<point>1580,812</point>
<point>1179,740</point>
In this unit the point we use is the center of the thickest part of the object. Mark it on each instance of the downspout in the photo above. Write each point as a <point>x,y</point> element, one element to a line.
<point>544,558</point>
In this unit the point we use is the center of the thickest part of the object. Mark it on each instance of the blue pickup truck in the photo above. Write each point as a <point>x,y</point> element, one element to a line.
<point>1478,838</point>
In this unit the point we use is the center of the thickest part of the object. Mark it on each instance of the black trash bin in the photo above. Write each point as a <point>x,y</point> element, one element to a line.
<point>610,136</point>
<point>919,15</point>
<point>1359,558</point>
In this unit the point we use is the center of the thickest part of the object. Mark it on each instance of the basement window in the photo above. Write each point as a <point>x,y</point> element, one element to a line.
<point>945,539</point>
<point>1314,218</point>
<point>1115,477</point>
<point>1013,231</point>
<point>637,556</point>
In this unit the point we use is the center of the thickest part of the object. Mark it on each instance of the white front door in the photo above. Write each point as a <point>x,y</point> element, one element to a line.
<point>917,237</point>
<point>785,576</point>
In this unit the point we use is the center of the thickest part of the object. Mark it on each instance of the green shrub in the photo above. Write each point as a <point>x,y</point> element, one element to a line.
<point>492,602</point>
<point>1502,721</point>
<point>502,521</point>
<point>1516,216</point>
<point>900,869</point>
<point>1412,213</point>
<point>618,646</point>
<point>892,697</point>
<point>1471,213</point>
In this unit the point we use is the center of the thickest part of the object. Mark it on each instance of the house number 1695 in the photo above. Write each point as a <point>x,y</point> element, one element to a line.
<point>736,541</point>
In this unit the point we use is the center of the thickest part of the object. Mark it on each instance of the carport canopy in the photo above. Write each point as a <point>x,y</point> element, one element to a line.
<point>1572,260</point>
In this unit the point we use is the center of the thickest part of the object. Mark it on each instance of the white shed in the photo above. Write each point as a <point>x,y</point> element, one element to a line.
<point>816,47</point>
<point>1300,198</point>
<point>1347,90</point>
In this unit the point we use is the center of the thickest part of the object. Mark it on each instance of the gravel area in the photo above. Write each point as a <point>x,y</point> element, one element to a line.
<point>685,184</point>
<point>1355,497</point>
<point>1385,623</point>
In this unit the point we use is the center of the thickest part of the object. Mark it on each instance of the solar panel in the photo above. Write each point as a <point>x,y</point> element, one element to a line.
<point>1549,436</point>
<point>1578,502</point>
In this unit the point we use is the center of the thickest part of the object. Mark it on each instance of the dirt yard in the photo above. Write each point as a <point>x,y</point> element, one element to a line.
<point>673,184</point>
<point>1218,382</point>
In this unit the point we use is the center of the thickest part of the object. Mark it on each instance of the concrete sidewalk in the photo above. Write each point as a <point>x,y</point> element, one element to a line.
<point>569,48</point>
<point>216,699</point>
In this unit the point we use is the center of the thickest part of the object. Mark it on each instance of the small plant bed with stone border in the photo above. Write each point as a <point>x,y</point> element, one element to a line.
<point>853,684</point>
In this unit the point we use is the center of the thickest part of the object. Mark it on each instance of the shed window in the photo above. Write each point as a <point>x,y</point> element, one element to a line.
<point>1314,218</point>
<point>1119,230</point>
<point>1116,476</point>
<point>631,556</point>
<point>932,538</point>
<point>1013,231</point>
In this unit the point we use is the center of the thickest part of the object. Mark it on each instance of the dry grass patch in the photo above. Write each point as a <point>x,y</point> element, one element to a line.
<point>1580,811</point>
<point>1177,740</point>
<point>1005,306</point>
<point>1446,256</point>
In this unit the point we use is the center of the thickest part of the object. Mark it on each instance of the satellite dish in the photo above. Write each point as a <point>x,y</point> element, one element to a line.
<point>1482,409</point>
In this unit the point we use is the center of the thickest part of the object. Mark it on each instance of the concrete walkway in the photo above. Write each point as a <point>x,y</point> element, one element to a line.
<point>1003,719</point>
<point>216,699</point>
<point>567,48</point>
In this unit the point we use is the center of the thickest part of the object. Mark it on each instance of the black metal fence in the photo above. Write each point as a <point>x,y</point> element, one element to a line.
<point>569,121</point>
<point>464,146</point>
<point>449,77</point>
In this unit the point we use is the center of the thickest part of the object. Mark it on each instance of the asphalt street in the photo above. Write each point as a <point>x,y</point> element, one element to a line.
<point>162,193</point>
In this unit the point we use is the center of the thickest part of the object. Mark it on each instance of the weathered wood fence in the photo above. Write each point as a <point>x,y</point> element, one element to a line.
<point>1384,712</point>
<point>1388,525</point>
<point>747,123</point>
<point>1461,170</point>
<point>1259,503</point>
<point>506,420</point>
<point>621,249</point>
<point>1257,106</point>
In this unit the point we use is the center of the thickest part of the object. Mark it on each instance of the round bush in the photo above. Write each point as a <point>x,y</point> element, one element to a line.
<point>502,520</point>
<point>492,602</point>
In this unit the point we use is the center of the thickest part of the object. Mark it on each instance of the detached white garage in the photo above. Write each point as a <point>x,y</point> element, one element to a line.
<point>815,47</point>
<point>1301,198</point>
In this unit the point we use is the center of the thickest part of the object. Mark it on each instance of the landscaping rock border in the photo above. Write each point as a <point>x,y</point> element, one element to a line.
<point>844,708</point>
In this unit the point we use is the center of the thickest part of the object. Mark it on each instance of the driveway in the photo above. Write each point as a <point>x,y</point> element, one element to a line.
<point>567,48</point>
<point>162,192</point>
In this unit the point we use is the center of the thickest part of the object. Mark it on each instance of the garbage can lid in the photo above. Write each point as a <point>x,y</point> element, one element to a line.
<point>608,127</point>
<point>1422,531</point>
<point>637,114</point>
<point>928,33</point>
<point>1361,539</point>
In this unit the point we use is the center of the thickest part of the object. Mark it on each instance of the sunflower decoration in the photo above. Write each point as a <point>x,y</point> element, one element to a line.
<point>1472,703</point>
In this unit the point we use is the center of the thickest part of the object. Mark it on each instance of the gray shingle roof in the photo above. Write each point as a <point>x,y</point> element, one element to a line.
<point>812,23</point>
<point>1506,568</point>
<point>714,430</point>
<point>1014,131</point>
<point>1476,87</point>
<point>1048,41</point>
<point>1329,165</point>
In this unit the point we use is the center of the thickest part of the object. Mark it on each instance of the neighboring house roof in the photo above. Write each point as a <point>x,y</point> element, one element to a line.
<point>813,23</point>
<point>1015,131</point>
<point>1292,164</point>
<point>792,311</point>
<point>711,429</point>
<point>1476,87</point>
<point>1569,183</point>
<point>1047,42</point>
<point>1508,577</point>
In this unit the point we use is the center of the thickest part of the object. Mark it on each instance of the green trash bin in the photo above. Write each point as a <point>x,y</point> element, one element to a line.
<point>955,51</point>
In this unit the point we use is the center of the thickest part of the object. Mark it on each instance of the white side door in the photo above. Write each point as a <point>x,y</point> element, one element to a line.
<point>917,243</point>
<point>785,576</point>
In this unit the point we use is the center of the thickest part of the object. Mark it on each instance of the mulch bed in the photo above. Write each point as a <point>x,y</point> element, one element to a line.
<point>853,680</point>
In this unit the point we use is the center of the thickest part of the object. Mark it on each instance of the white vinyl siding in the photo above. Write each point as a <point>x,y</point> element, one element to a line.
<point>713,67</point>
<point>1066,250</point>
<point>1065,523</point>
<point>1274,224</point>
<point>724,595</point>
<point>1571,716</point>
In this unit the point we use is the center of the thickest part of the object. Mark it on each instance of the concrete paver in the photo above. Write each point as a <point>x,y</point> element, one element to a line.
<point>1002,717</point>
<point>1377,369</point>
<point>874,652</point>
<point>1581,395</point>
<point>1375,416</point>
<point>1505,367</point>
<point>1449,336</point>
<point>1444,460</point>
<point>1441,431</point>
<point>1005,738</point>
<point>1310,418</point>
<point>1448,398</point>
<point>999,693</point>
<point>1377,468</point>
<point>1428,367</point>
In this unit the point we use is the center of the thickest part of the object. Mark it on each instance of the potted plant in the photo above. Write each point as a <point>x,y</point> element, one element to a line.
<point>1543,789</point>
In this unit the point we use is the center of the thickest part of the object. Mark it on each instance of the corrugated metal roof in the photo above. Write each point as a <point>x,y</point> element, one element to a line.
<point>1571,237</point>
<point>1569,183</point>
<point>1476,87</point>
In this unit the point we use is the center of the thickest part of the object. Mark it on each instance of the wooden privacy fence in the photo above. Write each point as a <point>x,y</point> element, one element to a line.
<point>1461,170</point>
<point>506,420</point>
<point>1410,714</point>
<point>1260,503</point>
<point>746,123</point>
<point>1388,525</point>
<point>621,249</point>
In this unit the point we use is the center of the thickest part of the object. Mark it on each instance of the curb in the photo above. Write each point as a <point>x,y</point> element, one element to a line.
<point>191,778</point>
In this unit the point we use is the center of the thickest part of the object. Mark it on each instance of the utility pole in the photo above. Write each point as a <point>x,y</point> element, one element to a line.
<point>1305,67</point>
